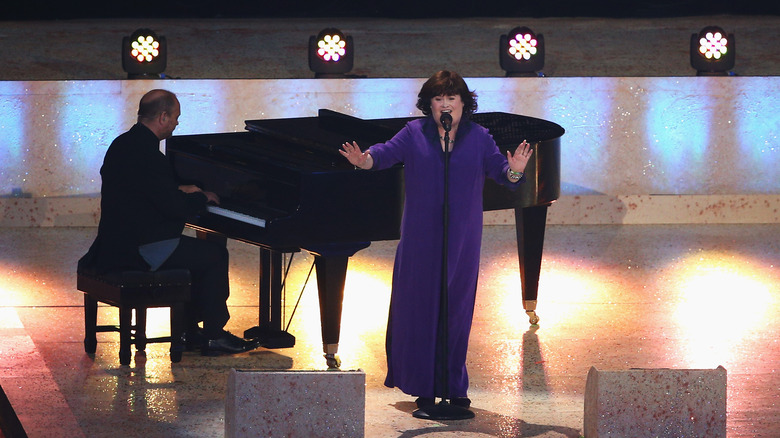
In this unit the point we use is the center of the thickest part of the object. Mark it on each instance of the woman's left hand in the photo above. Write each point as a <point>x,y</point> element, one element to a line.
<point>519,159</point>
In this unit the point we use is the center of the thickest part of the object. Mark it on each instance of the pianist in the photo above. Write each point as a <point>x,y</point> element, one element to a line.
<point>414,305</point>
<point>143,210</point>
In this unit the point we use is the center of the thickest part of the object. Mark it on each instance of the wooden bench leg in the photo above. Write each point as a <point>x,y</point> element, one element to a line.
<point>90,324</point>
<point>125,322</point>
<point>131,292</point>
<point>140,329</point>
<point>178,323</point>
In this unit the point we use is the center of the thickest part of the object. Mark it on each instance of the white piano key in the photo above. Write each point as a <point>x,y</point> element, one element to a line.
<point>236,215</point>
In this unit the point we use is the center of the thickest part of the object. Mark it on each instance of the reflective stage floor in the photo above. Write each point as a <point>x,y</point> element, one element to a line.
<point>613,297</point>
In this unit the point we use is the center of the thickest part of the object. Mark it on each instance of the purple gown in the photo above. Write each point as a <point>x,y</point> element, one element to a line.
<point>414,304</point>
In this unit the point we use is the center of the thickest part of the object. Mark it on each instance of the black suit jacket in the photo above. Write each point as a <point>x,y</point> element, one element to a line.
<point>140,202</point>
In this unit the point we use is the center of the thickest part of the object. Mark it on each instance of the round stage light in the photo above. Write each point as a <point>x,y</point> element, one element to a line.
<point>331,47</point>
<point>521,52</point>
<point>522,46</point>
<point>713,52</point>
<point>145,48</point>
<point>331,53</point>
<point>713,45</point>
<point>144,54</point>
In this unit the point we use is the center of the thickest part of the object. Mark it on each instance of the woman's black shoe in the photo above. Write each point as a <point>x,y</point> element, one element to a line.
<point>226,343</point>
<point>463,402</point>
<point>424,402</point>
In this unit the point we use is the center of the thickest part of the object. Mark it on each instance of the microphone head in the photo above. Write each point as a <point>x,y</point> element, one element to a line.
<point>446,121</point>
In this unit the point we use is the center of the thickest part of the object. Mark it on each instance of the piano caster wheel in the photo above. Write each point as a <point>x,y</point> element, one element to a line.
<point>532,318</point>
<point>333,361</point>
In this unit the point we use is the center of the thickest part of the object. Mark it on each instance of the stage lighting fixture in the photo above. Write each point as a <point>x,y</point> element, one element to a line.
<point>521,52</point>
<point>712,52</point>
<point>331,54</point>
<point>144,55</point>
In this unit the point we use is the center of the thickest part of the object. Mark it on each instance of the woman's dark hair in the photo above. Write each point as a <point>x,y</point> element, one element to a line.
<point>447,83</point>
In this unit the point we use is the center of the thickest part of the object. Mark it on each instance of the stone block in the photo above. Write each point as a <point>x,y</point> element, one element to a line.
<point>295,403</point>
<point>662,403</point>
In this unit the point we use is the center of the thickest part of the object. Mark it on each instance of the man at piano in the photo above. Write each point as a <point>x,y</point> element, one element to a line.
<point>415,297</point>
<point>143,211</point>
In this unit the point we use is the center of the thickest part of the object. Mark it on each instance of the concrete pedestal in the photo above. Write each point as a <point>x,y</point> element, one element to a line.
<point>295,404</point>
<point>655,403</point>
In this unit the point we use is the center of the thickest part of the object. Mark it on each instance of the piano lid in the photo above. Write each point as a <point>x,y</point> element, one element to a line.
<point>330,129</point>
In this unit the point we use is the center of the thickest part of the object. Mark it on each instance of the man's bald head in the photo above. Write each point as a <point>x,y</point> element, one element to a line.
<point>159,111</point>
<point>155,103</point>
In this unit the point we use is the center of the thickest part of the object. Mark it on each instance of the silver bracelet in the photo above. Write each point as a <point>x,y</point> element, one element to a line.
<point>515,176</point>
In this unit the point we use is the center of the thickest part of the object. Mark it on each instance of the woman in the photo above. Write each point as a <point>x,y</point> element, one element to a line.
<point>414,304</point>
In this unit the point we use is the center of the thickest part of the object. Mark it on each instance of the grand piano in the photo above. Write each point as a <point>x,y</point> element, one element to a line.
<point>284,187</point>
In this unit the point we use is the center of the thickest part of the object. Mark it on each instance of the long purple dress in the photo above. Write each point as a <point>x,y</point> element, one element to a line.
<point>414,304</point>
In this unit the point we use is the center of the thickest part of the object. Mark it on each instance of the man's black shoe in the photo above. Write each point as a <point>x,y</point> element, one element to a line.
<point>226,343</point>
<point>193,339</point>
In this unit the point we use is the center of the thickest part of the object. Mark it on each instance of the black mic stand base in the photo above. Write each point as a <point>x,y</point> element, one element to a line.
<point>443,411</point>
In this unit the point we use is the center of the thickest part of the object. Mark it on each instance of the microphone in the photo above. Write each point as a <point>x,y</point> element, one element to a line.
<point>446,121</point>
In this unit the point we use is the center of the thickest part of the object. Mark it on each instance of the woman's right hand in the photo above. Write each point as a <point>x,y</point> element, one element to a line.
<point>358,158</point>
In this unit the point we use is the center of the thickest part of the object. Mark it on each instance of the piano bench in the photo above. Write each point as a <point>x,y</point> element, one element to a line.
<point>135,290</point>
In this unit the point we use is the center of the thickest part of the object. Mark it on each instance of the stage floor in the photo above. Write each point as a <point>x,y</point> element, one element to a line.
<point>611,297</point>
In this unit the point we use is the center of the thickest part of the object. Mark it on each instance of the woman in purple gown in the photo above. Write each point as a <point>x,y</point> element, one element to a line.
<point>414,305</point>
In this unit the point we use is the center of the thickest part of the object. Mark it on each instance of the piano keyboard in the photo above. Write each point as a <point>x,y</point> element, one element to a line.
<point>236,215</point>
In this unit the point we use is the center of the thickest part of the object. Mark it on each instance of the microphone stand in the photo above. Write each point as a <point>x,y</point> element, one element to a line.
<point>444,410</point>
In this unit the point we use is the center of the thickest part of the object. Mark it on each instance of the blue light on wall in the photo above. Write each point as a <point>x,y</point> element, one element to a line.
<point>199,114</point>
<point>397,101</point>
<point>89,119</point>
<point>677,134</point>
<point>586,120</point>
<point>13,108</point>
<point>758,139</point>
<point>89,122</point>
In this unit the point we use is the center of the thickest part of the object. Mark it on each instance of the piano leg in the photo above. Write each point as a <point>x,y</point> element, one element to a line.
<point>331,276</point>
<point>270,332</point>
<point>530,223</point>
